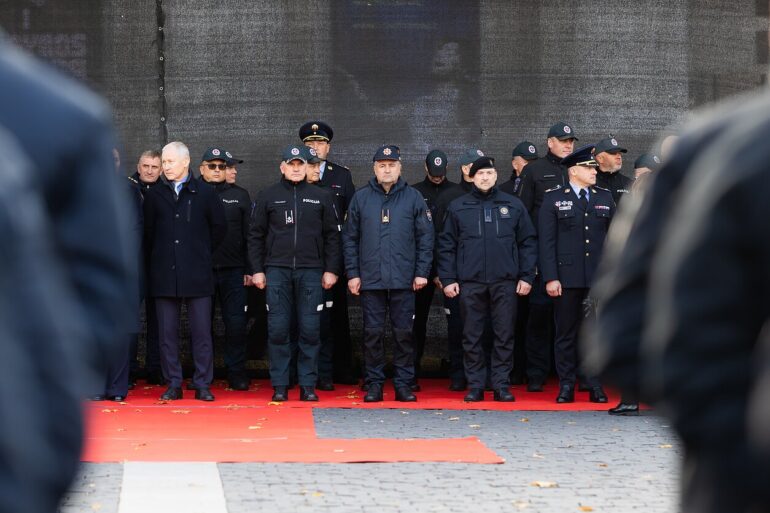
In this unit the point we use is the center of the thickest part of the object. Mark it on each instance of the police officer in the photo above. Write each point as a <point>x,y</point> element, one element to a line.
<point>147,175</point>
<point>466,160</point>
<point>338,181</point>
<point>230,262</point>
<point>326,350</point>
<point>388,240</point>
<point>294,252</point>
<point>609,158</point>
<point>433,186</point>
<point>524,153</point>
<point>487,254</point>
<point>646,163</point>
<point>547,172</point>
<point>573,223</point>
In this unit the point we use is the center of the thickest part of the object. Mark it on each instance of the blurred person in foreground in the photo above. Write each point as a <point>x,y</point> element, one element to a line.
<point>697,347</point>
<point>67,276</point>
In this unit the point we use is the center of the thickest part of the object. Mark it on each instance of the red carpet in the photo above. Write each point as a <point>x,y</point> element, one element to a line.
<point>246,427</point>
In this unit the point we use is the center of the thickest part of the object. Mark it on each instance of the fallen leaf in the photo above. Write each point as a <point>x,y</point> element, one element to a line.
<point>666,446</point>
<point>404,412</point>
<point>538,456</point>
<point>137,446</point>
<point>474,426</point>
<point>121,429</point>
<point>524,419</point>
<point>454,418</point>
<point>438,413</point>
<point>255,427</point>
<point>339,450</point>
<point>184,412</point>
<point>544,484</point>
<point>274,403</point>
<point>138,410</point>
<point>318,494</point>
<point>586,508</point>
<point>109,411</point>
<point>603,465</point>
<point>520,504</point>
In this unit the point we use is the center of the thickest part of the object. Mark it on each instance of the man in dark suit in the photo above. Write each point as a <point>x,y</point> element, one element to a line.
<point>184,223</point>
<point>336,358</point>
<point>573,223</point>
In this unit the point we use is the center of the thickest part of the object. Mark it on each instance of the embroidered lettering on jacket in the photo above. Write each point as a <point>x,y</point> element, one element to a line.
<point>308,200</point>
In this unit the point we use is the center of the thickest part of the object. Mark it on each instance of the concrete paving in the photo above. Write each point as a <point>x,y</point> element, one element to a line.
<point>555,462</point>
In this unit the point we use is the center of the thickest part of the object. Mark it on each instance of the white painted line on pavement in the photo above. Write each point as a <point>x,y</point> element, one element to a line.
<point>171,487</point>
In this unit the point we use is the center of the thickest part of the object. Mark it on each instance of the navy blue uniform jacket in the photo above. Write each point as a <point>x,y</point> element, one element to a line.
<point>388,238</point>
<point>487,238</point>
<point>571,237</point>
<point>181,236</point>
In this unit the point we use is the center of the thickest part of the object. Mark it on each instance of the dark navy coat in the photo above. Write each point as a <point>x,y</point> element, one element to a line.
<point>571,237</point>
<point>487,238</point>
<point>538,177</point>
<point>339,182</point>
<point>181,236</point>
<point>388,238</point>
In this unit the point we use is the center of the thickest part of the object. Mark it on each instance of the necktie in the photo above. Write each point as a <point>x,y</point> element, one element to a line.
<point>584,198</point>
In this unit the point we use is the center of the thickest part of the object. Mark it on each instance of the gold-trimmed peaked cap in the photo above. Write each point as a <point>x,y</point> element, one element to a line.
<point>583,156</point>
<point>316,131</point>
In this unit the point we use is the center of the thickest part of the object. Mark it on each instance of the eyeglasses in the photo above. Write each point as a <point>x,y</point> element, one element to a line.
<point>212,167</point>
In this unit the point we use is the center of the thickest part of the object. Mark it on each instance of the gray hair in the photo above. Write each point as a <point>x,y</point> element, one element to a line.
<point>179,147</point>
<point>153,154</point>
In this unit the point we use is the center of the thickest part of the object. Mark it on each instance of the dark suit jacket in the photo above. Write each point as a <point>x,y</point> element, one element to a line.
<point>181,235</point>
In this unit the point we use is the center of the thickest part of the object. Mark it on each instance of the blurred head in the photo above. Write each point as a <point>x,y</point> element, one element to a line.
<point>175,160</point>
<point>667,146</point>
<point>609,161</point>
<point>313,172</point>
<point>231,173</point>
<point>518,164</point>
<point>148,166</point>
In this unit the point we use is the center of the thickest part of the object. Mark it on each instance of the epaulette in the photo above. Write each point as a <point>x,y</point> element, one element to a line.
<point>602,189</point>
<point>554,188</point>
<point>133,179</point>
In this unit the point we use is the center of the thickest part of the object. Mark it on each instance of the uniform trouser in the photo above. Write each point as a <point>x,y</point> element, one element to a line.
<point>326,351</point>
<point>520,339</point>
<point>568,309</point>
<point>540,326</point>
<point>152,351</point>
<point>289,290</point>
<point>228,284</point>
<point>454,338</point>
<point>117,368</point>
<point>375,305</point>
<point>340,332</point>
<point>477,302</point>
<point>199,317</point>
<point>422,301</point>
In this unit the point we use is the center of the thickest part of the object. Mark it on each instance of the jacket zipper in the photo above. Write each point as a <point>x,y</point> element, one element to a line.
<point>296,222</point>
<point>189,208</point>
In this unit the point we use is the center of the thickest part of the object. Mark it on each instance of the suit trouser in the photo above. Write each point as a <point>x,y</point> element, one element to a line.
<point>199,317</point>
<point>568,309</point>
<point>335,360</point>
<point>117,369</point>
<point>290,290</point>
<point>375,305</point>
<point>152,352</point>
<point>477,302</point>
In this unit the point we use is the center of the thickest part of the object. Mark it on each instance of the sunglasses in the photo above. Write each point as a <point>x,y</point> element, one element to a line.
<point>221,167</point>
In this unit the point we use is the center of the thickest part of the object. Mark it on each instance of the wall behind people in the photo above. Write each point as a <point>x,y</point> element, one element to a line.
<point>488,73</point>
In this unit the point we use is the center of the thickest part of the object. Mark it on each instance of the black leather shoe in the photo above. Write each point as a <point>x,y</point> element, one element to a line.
<point>154,378</point>
<point>117,398</point>
<point>171,394</point>
<point>597,395</point>
<point>325,384</point>
<point>535,386</point>
<point>307,394</point>
<point>204,394</point>
<point>566,394</point>
<point>191,386</point>
<point>98,397</point>
<point>504,395</point>
<point>240,383</point>
<point>458,385</point>
<point>474,395</point>
<point>280,394</point>
<point>405,395</point>
<point>625,409</point>
<point>373,393</point>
